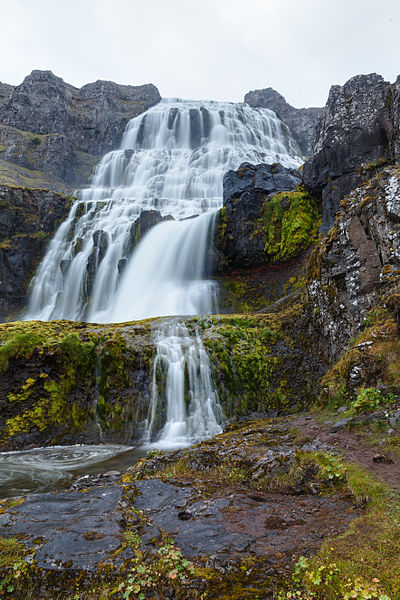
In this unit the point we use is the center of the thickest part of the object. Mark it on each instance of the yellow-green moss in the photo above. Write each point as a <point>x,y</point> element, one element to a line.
<point>291,223</point>
<point>375,353</point>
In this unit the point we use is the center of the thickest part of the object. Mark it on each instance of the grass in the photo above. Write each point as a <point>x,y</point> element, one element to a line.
<point>365,561</point>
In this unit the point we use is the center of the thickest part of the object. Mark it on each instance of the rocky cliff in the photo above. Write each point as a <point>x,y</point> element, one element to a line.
<point>357,134</point>
<point>302,122</point>
<point>28,220</point>
<point>353,280</point>
<point>50,126</point>
<point>262,236</point>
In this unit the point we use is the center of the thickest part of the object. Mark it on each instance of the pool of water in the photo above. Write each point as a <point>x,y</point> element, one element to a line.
<point>55,467</point>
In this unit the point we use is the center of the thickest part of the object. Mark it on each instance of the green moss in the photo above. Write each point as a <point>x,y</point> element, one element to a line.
<point>365,561</point>
<point>11,550</point>
<point>22,344</point>
<point>374,354</point>
<point>220,228</point>
<point>16,176</point>
<point>250,355</point>
<point>291,223</point>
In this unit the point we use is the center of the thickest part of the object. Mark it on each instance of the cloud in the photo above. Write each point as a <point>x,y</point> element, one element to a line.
<point>217,49</point>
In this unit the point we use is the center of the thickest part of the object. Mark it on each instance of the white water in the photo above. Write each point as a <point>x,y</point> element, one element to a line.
<point>171,159</point>
<point>182,384</point>
<point>42,469</point>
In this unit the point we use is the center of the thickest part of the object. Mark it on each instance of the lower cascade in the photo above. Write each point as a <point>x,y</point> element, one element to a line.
<point>172,160</point>
<point>182,383</point>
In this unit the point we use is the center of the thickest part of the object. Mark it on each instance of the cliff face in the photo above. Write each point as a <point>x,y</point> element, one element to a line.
<point>267,217</point>
<point>358,261</point>
<point>51,126</point>
<point>357,134</point>
<point>28,219</point>
<point>262,235</point>
<point>302,122</point>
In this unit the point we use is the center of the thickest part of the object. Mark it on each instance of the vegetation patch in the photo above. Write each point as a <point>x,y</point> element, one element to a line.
<point>364,563</point>
<point>291,223</point>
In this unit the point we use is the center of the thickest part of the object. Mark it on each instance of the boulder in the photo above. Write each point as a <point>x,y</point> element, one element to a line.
<point>256,199</point>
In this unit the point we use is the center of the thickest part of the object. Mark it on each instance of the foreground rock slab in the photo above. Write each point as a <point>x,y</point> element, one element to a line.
<point>250,496</point>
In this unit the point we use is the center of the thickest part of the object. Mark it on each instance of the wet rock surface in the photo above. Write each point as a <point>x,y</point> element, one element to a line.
<point>219,509</point>
<point>28,219</point>
<point>302,122</point>
<point>68,529</point>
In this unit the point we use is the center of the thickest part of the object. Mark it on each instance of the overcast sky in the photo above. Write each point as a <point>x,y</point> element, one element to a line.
<point>198,49</point>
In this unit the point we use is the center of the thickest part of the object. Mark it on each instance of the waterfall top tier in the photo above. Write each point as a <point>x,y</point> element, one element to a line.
<point>174,156</point>
<point>172,159</point>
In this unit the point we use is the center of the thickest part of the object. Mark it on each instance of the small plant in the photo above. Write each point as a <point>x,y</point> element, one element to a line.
<point>367,399</point>
<point>320,581</point>
<point>35,141</point>
<point>330,466</point>
<point>167,567</point>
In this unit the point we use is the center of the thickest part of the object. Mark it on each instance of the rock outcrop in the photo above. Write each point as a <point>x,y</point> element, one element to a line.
<point>28,219</point>
<point>51,126</point>
<point>357,134</point>
<point>61,381</point>
<point>262,236</point>
<point>266,216</point>
<point>5,91</point>
<point>358,261</point>
<point>302,122</point>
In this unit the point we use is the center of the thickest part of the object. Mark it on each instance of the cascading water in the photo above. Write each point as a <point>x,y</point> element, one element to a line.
<point>183,389</point>
<point>172,159</point>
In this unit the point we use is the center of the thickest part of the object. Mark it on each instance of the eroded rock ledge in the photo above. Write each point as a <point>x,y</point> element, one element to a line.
<point>222,519</point>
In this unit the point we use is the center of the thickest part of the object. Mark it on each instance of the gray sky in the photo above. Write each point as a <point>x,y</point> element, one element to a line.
<point>217,49</point>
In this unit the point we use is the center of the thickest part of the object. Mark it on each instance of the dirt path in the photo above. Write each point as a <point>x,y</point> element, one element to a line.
<point>353,447</point>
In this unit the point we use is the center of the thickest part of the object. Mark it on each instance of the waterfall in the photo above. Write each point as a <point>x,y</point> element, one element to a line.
<point>184,406</point>
<point>172,160</point>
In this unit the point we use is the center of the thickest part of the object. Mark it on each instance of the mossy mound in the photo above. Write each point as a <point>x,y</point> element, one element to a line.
<point>59,378</point>
<point>371,361</point>
<point>291,222</point>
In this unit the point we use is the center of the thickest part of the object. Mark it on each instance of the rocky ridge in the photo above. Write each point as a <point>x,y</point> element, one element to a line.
<point>62,131</point>
<point>358,133</point>
<point>302,122</point>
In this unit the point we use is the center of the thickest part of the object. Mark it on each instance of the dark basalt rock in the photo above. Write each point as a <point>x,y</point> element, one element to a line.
<point>357,261</point>
<point>50,125</point>
<point>28,219</point>
<point>76,530</point>
<point>245,192</point>
<point>354,137</point>
<point>301,121</point>
<point>145,221</point>
<point>96,530</point>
